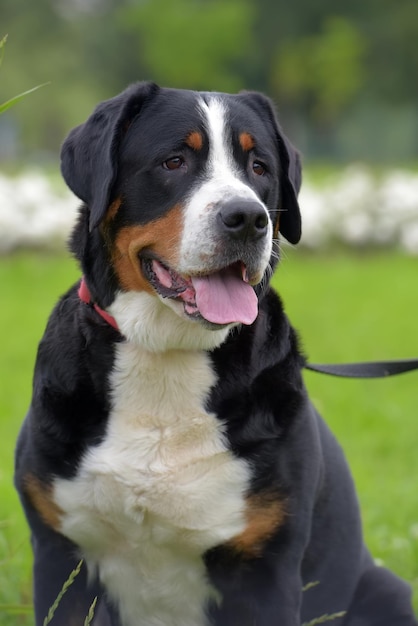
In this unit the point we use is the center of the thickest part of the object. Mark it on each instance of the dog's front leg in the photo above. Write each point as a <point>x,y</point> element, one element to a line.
<point>64,594</point>
<point>261,591</point>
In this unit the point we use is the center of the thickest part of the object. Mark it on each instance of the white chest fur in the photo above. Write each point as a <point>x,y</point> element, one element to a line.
<point>158,491</point>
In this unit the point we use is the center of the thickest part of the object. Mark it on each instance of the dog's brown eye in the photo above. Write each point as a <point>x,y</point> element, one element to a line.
<point>174,163</point>
<point>258,168</point>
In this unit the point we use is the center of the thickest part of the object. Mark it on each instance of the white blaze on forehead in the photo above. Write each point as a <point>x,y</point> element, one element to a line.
<point>222,170</point>
<point>221,162</point>
<point>223,181</point>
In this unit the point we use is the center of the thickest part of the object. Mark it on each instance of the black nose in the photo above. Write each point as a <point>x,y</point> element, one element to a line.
<point>243,219</point>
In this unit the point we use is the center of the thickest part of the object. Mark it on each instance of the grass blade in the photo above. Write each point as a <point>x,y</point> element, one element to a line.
<point>310,585</point>
<point>90,615</point>
<point>2,46</point>
<point>6,105</point>
<point>65,588</point>
<point>324,618</point>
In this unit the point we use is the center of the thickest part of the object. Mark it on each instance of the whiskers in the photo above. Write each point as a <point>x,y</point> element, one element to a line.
<point>269,271</point>
<point>277,253</point>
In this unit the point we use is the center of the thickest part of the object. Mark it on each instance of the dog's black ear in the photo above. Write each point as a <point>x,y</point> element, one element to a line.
<point>290,222</point>
<point>288,217</point>
<point>89,154</point>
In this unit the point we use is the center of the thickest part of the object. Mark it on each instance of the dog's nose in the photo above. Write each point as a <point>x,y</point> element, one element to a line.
<point>243,219</point>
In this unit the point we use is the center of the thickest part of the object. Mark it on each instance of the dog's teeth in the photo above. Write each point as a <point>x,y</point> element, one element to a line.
<point>162,274</point>
<point>190,309</point>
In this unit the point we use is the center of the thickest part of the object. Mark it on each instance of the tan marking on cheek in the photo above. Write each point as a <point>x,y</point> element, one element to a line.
<point>246,141</point>
<point>161,237</point>
<point>105,225</point>
<point>113,209</point>
<point>40,495</point>
<point>195,140</point>
<point>265,514</point>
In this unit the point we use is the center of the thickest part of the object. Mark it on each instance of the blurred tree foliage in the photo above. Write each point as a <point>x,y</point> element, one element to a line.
<point>343,75</point>
<point>195,44</point>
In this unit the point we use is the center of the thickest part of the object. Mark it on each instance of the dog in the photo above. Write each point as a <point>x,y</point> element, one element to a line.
<point>170,443</point>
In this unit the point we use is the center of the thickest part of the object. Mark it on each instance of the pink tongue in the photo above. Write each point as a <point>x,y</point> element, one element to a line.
<point>223,298</point>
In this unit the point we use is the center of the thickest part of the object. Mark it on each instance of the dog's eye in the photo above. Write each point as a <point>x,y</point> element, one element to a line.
<point>174,163</point>
<point>259,168</point>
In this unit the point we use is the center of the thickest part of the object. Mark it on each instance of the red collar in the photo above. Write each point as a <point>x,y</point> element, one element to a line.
<point>85,296</point>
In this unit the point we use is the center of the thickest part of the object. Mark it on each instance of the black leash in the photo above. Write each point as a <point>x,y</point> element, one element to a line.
<point>373,369</point>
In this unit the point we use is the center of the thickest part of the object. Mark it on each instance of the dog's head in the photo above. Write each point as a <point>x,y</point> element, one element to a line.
<point>185,194</point>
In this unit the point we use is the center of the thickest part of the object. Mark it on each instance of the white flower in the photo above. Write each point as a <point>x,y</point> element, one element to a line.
<point>354,207</point>
<point>32,213</point>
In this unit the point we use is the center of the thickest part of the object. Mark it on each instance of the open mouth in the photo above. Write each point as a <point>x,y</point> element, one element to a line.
<point>221,297</point>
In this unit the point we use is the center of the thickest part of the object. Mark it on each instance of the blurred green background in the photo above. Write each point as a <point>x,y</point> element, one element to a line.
<point>344,74</point>
<point>344,77</point>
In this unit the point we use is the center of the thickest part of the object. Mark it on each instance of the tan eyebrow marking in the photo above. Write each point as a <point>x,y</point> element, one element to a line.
<point>195,140</point>
<point>246,141</point>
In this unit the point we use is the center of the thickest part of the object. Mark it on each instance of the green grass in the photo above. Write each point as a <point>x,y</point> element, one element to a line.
<point>30,285</point>
<point>346,308</point>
